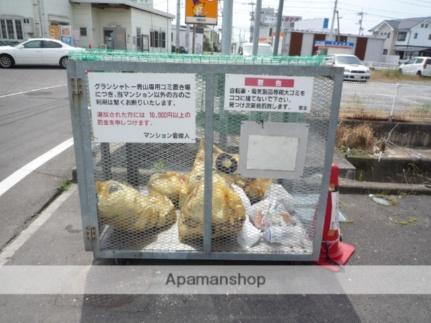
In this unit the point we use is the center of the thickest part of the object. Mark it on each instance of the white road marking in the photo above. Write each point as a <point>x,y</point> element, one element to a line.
<point>18,175</point>
<point>29,91</point>
<point>9,251</point>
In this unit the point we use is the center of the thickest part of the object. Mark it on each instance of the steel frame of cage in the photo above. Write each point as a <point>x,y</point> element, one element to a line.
<point>81,124</point>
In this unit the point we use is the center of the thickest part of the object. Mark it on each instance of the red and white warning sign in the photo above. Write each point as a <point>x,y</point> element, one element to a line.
<point>268,93</point>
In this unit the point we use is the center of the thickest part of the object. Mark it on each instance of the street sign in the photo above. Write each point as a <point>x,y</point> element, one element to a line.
<point>201,12</point>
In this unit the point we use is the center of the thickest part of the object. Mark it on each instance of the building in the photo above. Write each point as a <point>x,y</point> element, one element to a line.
<point>313,24</point>
<point>108,24</point>
<point>405,37</point>
<point>304,43</point>
<point>212,40</point>
<point>186,39</point>
<point>268,23</point>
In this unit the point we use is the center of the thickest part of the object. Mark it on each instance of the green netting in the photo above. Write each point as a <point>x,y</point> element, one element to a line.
<point>133,56</point>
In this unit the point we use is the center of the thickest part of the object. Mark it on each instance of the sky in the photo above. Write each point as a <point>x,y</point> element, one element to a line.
<point>375,11</point>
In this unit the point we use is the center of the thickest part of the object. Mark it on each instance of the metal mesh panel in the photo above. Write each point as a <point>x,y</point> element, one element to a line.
<point>152,197</point>
<point>138,188</point>
<point>296,234</point>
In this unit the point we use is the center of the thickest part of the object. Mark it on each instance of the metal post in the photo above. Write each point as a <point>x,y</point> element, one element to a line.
<point>227,26</point>
<point>278,27</point>
<point>106,160</point>
<point>331,32</point>
<point>256,26</point>
<point>177,35</point>
<point>194,39</point>
<point>394,102</point>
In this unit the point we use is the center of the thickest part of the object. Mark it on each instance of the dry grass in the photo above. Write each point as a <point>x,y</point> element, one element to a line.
<point>395,75</point>
<point>360,137</point>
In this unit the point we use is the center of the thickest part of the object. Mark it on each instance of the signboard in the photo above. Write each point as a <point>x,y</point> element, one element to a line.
<point>268,93</point>
<point>334,44</point>
<point>201,12</point>
<point>143,107</point>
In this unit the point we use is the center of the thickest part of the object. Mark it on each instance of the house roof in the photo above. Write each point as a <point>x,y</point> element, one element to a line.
<point>402,24</point>
<point>127,3</point>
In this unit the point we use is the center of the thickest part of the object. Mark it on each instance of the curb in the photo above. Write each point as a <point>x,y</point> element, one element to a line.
<point>348,186</point>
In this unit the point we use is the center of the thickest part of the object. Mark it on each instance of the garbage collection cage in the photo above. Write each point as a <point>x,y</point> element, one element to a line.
<point>203,158</point>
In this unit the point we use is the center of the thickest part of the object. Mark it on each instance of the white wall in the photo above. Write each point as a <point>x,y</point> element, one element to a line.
<point>82,17</point>
<point>112,17</point>
<point>150,22</point>
<point>307,44</point>
<point>23,8</point>
<point>374,50</point>
<point>423,33</point>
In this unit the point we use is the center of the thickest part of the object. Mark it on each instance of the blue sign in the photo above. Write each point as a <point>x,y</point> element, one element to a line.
<point>334,43</point>
<point>66,39</point>
<point>325,23</point>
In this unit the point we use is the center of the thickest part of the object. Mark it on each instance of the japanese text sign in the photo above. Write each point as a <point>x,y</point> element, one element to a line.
<point>143,107</point>
<point>268,93</point>
<point>201,12</point>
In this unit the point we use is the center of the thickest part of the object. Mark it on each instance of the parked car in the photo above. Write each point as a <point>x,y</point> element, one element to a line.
<point>417,66</point>
<point>263,49</point>
<point>354,69</point>
<point>36,51</point>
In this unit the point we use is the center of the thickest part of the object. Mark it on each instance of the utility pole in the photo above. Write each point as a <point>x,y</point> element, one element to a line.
<point>227,26</point>
<point>338,23</point>
<point>256,26</point>
<point>251,21</point>
<point>278,27</point>
<point>331,32</point>
<point>177,35</point>
<point>361,18</point>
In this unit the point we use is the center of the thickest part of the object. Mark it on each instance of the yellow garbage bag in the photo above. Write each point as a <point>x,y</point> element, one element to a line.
<point>125,209</point>
<point>169,184</point>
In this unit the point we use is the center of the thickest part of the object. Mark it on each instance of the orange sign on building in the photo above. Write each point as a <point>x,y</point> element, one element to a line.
<point>201,12</point>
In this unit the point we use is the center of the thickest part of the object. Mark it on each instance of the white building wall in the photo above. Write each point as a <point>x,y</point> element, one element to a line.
<point>374,50</point>
<point>422,35</point>
<point>149,22</point>
<point>307,44</point>
<point>83,18</point>
<point>110,18</point>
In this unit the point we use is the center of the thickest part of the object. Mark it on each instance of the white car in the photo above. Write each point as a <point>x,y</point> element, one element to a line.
<point>263,49</point>
<point>36,51</point>
<point>417,66</point>
<point>354,70</point>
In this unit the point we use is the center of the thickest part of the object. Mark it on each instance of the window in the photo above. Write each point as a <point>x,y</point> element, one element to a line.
<point>419,60</point>
<point>415,36</point>
<point>18,29</point>
<point>10,32</point>
<point>158,39</point>
<point>426,25</point>
<point>3,29</point>
<point>33,44</point>
<point>385,52</point>
<point>429,37</point>
<point>162,42</point>
<point>83,31</point>
<point>422,25</point>
<point>270,32</point>
<point>389,35</point>
<point>401,36</point>
<point>138,38</point>
<point>51,44</point>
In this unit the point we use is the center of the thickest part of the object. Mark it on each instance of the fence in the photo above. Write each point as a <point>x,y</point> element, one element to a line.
<point>205,178</point>
<point>381,100</point>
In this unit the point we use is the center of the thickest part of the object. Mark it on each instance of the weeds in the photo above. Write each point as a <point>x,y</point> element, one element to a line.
<point>65,185</point>
<point>359,138</point>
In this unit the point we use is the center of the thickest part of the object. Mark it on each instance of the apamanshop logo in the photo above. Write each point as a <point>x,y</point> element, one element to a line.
<point>215,280</point>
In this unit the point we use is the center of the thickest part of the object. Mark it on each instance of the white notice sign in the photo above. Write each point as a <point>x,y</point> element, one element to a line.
<point>268,93</point>
<point>143,107</point>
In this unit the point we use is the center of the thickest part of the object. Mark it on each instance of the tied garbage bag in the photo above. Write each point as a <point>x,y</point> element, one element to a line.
<point>169,184</point>
<point>228,212</point>
<point>125,209</point>
<point>226,165</point>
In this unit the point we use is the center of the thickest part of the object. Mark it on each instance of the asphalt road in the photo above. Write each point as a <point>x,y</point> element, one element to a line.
<point>34,118</point>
